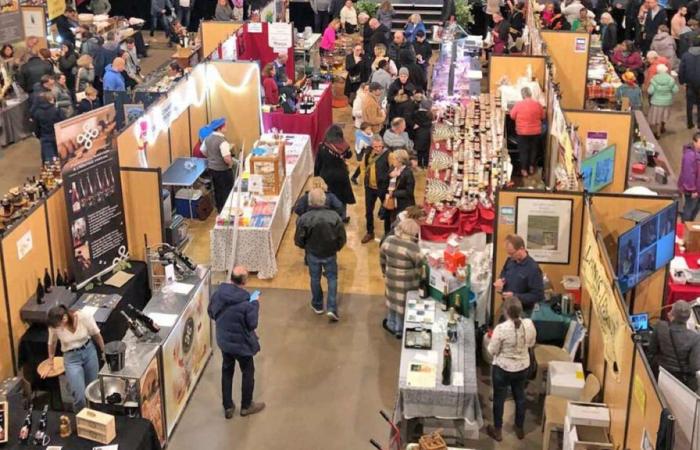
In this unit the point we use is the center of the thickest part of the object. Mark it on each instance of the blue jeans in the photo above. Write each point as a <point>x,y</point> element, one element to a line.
<point>183,15</point>
<point>159,17</point>
<point>81,369</point>
<point>329,267</point>
<point>394,321</point>
<point>501,380</point>
<point>691,207</point>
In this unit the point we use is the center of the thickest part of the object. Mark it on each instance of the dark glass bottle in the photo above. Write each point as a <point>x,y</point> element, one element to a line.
<point>41,432</point>
<point>447,365</point>
<point>424,286</point>
<point>144,319</point>
<point>39,292</point>
<point>26,429</point>
<point>445,298</point>
<point>48,282</point>
<point>59,278</point>
<point>134,326</point>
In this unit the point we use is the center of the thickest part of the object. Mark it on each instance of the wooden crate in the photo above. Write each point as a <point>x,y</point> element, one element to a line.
<point>272,168</point>
<point>95,426</point>
<point>691,237</point>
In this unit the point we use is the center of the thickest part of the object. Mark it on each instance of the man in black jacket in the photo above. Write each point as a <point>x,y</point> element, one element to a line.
<point>46,115</point>
<point>321,233</point>
<point>423,51</point>
<point>676,348</point>
<point>655,17</point>
<point>380,35</point>
<point>377,169</point>
<point>235,312</point>
<point>398,45</point>
<point>31,72</point>
<point>689,74</point>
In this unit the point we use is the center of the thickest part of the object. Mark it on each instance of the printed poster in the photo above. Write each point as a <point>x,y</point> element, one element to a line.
<point>33,21</point>
<point>11,26</point>
<point>55,8</point>
<point>595,142</point>
<point>545,224</point>
<point>152,399</point>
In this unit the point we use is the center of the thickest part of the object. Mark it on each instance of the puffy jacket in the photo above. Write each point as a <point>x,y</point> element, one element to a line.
<point>665,46</point>
<point>689,71</point>
<point>687,345</point>
<point>410,30</point>
<point>394,51</point>
<point>320,232</point>
<point>332,203</point>
<point>113,80</point>
<point>31,72</point>
<point>689,180</point>
<point>631,61</point>
<point>46,115</point>
<point>661,89</point>
<point>236,319</point>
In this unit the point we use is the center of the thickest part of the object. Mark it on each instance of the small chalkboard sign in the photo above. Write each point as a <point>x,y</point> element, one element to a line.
<point>4,421</point>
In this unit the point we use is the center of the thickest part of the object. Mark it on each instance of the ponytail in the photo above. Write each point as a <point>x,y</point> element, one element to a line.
<point>517,323</point>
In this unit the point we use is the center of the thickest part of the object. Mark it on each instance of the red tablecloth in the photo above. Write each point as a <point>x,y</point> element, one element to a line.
<point>465,222</point>
<point>674,291</point>
<point>314,124</point>
<point>255,47</point>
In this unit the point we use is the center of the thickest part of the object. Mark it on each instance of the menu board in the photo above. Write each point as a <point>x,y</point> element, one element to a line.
<point>185,354</point>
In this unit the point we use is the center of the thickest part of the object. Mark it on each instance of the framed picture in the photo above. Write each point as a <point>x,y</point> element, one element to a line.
<point>598,170</point>
<point>34,21</point>
<point>133,111</point>
<point>545,225</point>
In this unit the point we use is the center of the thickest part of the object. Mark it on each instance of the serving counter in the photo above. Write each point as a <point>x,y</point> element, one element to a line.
<point>161,370</point>
<point>648,179</point>
<point>256,242</point>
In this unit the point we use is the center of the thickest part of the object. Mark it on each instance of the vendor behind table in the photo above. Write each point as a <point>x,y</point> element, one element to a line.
<point>521,276</point>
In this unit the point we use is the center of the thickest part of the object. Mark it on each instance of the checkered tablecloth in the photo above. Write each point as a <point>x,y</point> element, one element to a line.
<point>596,91</point>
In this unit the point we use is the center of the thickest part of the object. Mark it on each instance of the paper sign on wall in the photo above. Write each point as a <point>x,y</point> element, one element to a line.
<point>580,45</point>
<point>279,36</point>
<point>639,395</point>
<point>24,245</point>
<point>596,141</point>
<point>254,27</point>
<point>506,215</point>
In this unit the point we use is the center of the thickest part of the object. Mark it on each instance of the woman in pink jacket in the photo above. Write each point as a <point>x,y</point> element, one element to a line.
<point>328,38</point>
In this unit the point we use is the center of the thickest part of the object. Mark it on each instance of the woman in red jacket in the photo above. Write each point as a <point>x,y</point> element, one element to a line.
<point>627,57</point>
<point>272,93</point>
<point>528,115</point>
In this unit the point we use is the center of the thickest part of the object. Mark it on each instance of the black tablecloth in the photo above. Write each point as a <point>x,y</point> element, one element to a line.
<point>33,344</point>
<point>14,123</point>
<point>132,433</point>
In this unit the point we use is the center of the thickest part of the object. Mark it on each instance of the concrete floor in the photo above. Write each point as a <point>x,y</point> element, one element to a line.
<point>323,383</point>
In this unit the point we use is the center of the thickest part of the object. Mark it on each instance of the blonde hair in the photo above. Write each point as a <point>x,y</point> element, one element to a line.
<point>118,63</point>
<point>84,61</point>
<point>379,48</point>
<point>91,91</point>
<point>401,156</point>
<point>407,228</point>
<point>319,183</point>
<point>415,18</point>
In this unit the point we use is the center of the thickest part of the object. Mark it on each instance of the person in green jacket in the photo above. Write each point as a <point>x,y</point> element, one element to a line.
<point>100,6</point>
<point>661,90</point>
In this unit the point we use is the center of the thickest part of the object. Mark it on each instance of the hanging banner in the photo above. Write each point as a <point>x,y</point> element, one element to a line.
<point>93,192</point>
<point>596,281</point>
<point>55,8</point>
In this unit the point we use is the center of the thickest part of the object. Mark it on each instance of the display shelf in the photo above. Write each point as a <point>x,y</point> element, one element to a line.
<point>457,72</point>
<point>648,179</point>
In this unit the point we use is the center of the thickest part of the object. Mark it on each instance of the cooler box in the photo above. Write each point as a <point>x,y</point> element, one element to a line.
<point>186,202</point>
<point>565,379</point>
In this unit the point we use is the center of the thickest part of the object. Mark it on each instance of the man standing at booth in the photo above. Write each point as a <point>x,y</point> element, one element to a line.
<point>521,276</point>
<point>235,312</point>
<point>220,161</point>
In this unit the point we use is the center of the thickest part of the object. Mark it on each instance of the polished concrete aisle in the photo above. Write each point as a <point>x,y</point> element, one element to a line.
<point>323,383</point>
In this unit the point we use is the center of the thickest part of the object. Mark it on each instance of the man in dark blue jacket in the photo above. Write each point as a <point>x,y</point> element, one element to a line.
<point>521,276</point>
<point>235,312</point>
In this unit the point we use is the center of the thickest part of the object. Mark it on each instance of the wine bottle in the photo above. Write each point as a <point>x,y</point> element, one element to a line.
<point>48,282</point>
<point>75,198</point>
<point>424,285</point>
<point>447,365</point>
<point>26,429</point>
<point>458,303</point>
<point>59,278</point>
<point>41,432</point>
<point>133,325</point>
<point>445,297</point>
<point>144,319</point>
<point>66,279</point>
<point>39,292</point>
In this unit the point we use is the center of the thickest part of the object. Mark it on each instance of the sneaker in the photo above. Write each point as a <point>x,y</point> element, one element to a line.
<point>520,433</point>
<point>492,431</point>
<point>368,237</point>
<point>318,311</point>
<point>228,413</point>
<point>254,408</point>
<point>333,316</point>
<point>386,327</point>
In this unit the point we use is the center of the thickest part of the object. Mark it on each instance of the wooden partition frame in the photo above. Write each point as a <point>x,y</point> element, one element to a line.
<point>515,66</point>
<point>145,225</point>
<point>214,32</point>
<point>569,52</point>
<point>608,209</point>
<point>619,126</point>
<point>7,355</point>
<point>646,403</point>
<point>59,230</point>
<point>237,98</point>
<point>555,272</point>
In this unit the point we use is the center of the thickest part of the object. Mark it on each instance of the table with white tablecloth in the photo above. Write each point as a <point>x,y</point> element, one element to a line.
<point>257,246</point>
<point>456,405</point>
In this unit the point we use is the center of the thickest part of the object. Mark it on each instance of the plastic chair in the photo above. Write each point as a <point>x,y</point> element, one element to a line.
<point>555,408</point>
<point>546,353</point>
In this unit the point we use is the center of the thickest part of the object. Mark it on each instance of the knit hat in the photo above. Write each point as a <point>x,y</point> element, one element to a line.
<point>661,68</point>
<point>681,311</point>
<point>403,71</point>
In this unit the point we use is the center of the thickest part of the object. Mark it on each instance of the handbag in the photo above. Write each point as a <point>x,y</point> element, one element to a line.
<point>389,203</point>
<point>532,369</point>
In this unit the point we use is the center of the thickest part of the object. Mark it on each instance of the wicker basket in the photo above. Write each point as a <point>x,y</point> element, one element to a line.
<point>432,441</point>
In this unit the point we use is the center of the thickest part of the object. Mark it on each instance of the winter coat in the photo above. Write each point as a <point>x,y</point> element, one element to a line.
<point>661,89</point>
<point>271,91</point>
<point>395,141</point>
<point>84,77</point>
<point>400,260</point>
<point>361,69</point>
<point>328,39</point>
<point>633,93</point>
<point>394,51</point>
<point>236,319</point>
<point>665,46</point>
<point>385,18</point>
<point>631,61</point>
<point>113,80</point>
<point>91,46</point>
<point>689,179</point>
<point>331,167</point>
<point>393,91</point>
<point>104,57</point>
<point>423,49</point>
<point>416,74</point>
<point>372,113</point>
<point>687,346</point>
<point>86,105</point>
<point>379,36</point>
<point>320,232</point>
<point>652,70</point>
<point>64,101</point>
<point>608,37</point>
<point>31,72</point>
<point>411,29</point>
<point>689,70</point>
<point>651,24</point>
<point>63,26</point>
<point>335,8</point>
<point>46,115</point>
<point>405,190</point>
<point>100,6</point>
<point>382,170</point>
<point>332,203</point>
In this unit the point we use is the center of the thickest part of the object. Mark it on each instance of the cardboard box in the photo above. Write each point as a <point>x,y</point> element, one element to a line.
<point>691,237</point>
<point>565,379</point>
<point>590,414</point>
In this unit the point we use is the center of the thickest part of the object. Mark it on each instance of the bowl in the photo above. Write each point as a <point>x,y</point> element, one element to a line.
<point>112,385</point>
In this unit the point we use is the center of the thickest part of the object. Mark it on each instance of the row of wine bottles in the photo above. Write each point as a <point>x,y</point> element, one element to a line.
<point>141,323</point>
<point>62,279</point>
<point>84,195</point>
<point>25,432</point>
